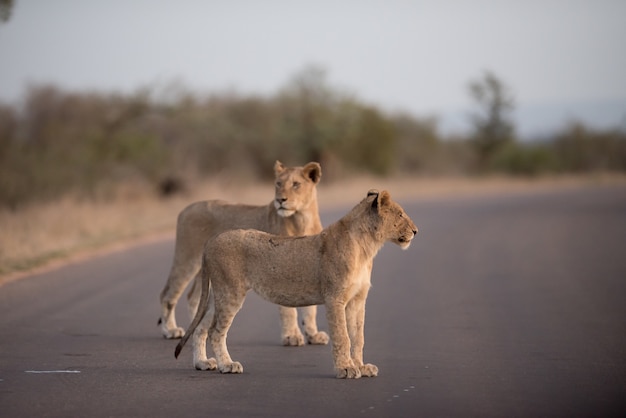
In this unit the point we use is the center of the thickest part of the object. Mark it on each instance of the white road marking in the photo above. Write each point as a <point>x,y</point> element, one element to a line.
<point>51,371</point>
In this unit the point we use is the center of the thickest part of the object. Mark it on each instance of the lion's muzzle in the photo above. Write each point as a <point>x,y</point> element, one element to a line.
<point>282,209</point>
<point>405,240</point>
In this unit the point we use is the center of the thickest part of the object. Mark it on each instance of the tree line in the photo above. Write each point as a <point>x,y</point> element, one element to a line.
<point>57,142</point>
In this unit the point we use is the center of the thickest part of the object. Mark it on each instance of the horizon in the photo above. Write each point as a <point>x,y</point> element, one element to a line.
<point>561,61</point>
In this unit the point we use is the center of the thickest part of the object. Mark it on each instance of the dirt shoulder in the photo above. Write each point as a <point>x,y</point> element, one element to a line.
<point>69,231</point>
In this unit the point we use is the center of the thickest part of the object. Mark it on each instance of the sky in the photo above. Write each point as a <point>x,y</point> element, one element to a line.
<point>561,59</point>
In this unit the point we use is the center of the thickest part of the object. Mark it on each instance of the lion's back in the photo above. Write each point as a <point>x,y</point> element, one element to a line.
<point>211,217</point>
<point>262,250</point>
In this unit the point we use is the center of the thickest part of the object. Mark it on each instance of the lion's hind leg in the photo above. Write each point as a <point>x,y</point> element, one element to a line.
<point>226,307</point>
<point>200,360</point>
<point>178,279</point>
<point>193,296</point>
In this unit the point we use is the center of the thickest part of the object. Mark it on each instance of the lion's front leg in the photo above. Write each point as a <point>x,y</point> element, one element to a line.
<point>344,366</point>
<point>290,332</point>
<point>355,317</point>
<point>309,323</point>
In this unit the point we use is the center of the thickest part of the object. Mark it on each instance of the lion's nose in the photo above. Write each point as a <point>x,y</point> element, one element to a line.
<point>281,199</point>
<point>415,232</point>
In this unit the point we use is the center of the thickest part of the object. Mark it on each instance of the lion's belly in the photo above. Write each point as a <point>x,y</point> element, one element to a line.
<point>288,293</point>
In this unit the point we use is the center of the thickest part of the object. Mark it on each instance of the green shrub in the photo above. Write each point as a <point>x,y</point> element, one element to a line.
<point>524,159</point>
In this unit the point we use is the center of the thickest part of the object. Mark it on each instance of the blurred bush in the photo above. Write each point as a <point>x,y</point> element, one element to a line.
<point>524,159</point>
<point>579,149</point>
<point>57,142</point>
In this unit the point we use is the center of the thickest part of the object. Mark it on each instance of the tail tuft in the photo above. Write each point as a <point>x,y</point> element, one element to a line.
<point>179,347</point>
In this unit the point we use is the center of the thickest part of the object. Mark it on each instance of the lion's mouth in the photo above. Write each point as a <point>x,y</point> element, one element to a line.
<point>285,212</point>
<point>404,242</point>
<point>282,210</point>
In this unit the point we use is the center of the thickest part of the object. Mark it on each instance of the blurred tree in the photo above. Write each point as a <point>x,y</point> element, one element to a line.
<point>8,125</point>
<point>6,9</point>
<point>307,105</point>
<point>417,143</point>
<point>368,139</point>
<point>492,125</point>
<point>326,124</point>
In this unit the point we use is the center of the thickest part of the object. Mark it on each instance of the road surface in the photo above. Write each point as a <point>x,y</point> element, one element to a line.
<point>503,306</point>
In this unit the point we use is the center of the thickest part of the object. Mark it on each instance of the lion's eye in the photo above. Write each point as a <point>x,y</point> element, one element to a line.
<point>296,184</point>
<point>278,184</point>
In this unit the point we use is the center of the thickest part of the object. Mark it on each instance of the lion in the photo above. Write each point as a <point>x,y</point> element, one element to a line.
<point>293,212</point>
<point>331,268</point>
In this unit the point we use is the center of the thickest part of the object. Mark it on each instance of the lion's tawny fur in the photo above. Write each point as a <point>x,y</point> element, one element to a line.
<point>331,268</point>
<point>293,212</point>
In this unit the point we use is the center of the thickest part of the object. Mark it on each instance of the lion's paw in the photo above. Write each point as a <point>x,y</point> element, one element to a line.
<point>293,340</point>
<point>234,367</point>
<point>348,373</point>
<point>172,333</point>
<point>369,370</point>
<point>208,364</point>
<point>321,338</point>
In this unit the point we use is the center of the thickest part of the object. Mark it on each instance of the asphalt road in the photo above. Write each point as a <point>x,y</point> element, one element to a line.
<point>503,306</point>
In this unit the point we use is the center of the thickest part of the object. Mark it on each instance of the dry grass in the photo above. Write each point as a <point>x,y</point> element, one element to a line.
<point>436,188</point>
<point>39,234</point>
<point>69,228</point>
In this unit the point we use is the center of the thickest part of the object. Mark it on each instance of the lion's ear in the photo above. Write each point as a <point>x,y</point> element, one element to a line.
<point>312,171</point>
<point>278,167</point>
<point>380,199</point>
<point>373,192</point>
<point>384,198</point>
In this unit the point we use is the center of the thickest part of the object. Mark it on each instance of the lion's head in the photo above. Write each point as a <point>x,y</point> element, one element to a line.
<point>394,224</point>
<point>295,187</point>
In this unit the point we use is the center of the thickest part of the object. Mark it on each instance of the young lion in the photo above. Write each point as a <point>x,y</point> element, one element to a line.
<point>293,212</point>
<point>331,268</point>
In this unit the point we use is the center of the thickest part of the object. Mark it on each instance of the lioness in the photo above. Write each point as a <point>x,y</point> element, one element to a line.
<point>331,268</point>
<point>293,212</point>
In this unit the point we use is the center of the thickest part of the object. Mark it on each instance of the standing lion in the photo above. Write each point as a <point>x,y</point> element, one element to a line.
<point>293,212</point>
<point>332,268</point>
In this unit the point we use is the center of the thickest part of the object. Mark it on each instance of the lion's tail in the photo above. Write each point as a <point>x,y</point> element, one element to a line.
<point>202,307</point>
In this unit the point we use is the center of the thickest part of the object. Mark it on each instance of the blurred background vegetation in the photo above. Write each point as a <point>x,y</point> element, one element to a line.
<point>87,144</point>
